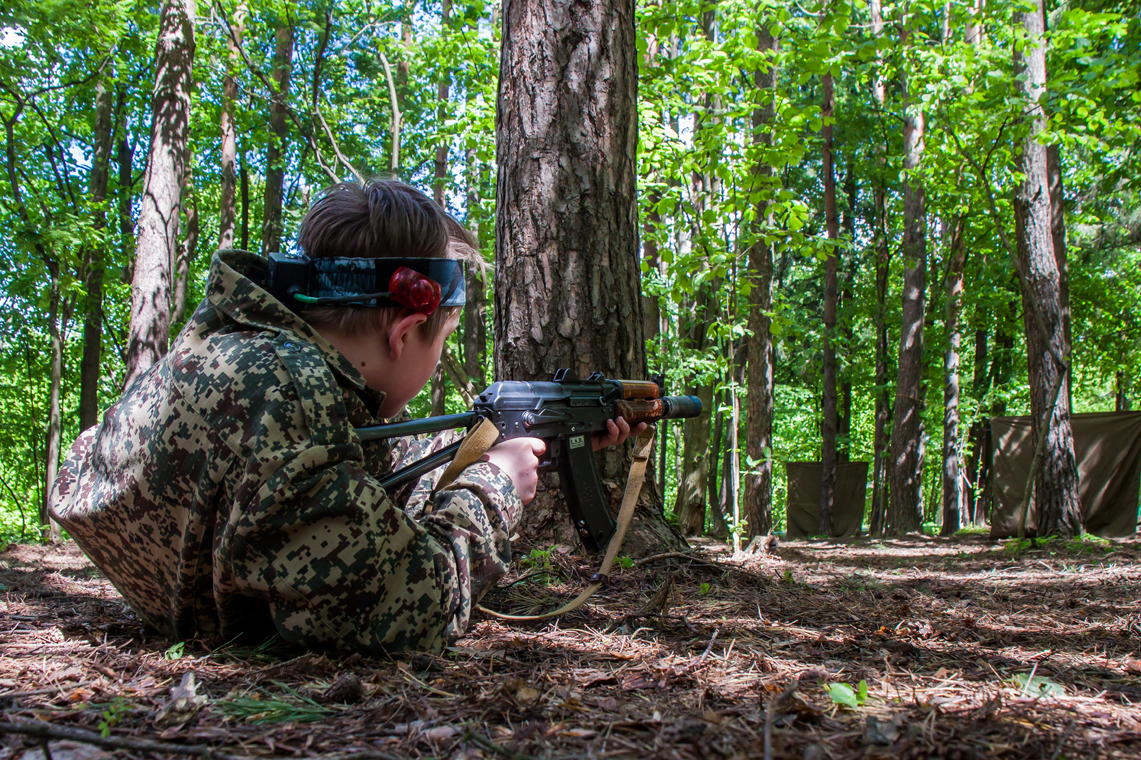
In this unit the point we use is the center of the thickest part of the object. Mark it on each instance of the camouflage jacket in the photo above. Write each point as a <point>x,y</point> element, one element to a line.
<point>227,493</point>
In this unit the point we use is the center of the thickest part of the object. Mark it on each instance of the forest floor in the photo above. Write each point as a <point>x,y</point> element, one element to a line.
<point>844,649</point>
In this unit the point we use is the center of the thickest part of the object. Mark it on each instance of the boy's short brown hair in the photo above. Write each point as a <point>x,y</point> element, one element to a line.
<point>382,218</point>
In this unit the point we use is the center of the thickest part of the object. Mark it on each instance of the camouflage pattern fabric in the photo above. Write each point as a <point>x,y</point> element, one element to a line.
<point>226,492</point>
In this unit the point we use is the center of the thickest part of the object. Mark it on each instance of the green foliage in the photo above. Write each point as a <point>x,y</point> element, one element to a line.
<point>844,695</point>
<point>112,715</point>
<point>261,706</point>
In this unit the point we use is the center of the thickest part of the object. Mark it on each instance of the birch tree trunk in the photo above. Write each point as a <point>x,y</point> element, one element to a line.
<point>904,467</point>
<point>567,290</point>
<point>1043,306</point>
<point>952,452</point>
<point>279,133</point>
<point>162,187</point>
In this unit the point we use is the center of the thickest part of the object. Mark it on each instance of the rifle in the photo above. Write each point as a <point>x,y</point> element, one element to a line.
<point>564,413</point>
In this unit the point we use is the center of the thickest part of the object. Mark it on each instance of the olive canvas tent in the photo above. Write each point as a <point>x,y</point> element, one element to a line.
<point>1108,449</point>
<point>803,510</point>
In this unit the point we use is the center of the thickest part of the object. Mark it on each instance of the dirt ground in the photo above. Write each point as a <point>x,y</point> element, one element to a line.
<point>966,648</point>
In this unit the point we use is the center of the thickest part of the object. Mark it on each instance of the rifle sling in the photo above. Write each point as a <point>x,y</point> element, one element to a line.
<point>625,514</point>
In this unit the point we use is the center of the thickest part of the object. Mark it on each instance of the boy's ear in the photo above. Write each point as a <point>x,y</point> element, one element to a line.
<point>399,330</point>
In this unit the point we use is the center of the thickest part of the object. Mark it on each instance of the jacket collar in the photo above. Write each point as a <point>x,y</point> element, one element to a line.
<point>235,289</point>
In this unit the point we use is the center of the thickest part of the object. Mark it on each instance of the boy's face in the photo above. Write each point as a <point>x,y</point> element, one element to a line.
<point>405,376</point>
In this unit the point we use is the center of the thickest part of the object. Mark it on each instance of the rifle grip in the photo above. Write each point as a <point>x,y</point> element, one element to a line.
<point>578,475</point>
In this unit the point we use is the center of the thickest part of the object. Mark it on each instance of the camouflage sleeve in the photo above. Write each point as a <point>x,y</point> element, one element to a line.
<point>340,565</point>
<point>413,496</point>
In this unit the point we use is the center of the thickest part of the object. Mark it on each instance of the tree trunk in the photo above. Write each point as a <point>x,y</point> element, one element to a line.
<point>844,413</point>
<point>761,387</point>
<point>187,250</point>
<point>904,498</point>
<point>227,206</point>
<point>883,269</point>
<point>475,309</point>
<point>89,365</point>
<point>439,183</point>
<point>694,483</point>
<point>567,290</point>
<point>975,466</point>
<point>831,271</point>
<point>1043,307</point>
<point>279,133</point>
<point>952,485</point>
<point>692,496</point>
<point>158,216</point>
<point>49,528</point>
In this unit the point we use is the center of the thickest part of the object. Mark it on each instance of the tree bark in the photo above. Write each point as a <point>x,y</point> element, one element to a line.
<point>904,497</point>
<point>952,452</point>
<point>187,250</point>
<point>279,133</point>
<point>227,206</point>
<point>831,270</point>
<point>761,386</point>
<point>158,216</point>
<point>1043,306</point>
<point>439,183</point>
<point>475,309</point>
<point>94,260</point>
<point>567,290</point>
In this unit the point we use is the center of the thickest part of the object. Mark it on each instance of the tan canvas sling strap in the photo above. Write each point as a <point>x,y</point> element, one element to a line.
<point>629,500</point>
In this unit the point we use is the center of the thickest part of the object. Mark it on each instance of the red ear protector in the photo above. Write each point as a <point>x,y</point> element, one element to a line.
<point>421,285</point>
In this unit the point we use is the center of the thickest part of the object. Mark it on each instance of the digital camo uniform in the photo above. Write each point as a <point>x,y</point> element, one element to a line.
<point>226,492</point>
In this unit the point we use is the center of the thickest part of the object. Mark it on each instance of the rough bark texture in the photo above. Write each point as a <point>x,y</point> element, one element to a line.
<point>567,290</point>
<point>758,496</point>
<point>279,133</point>
<point>162,188</point>
<point>829,423</point>
<point>903,468</point>
<point>952,452</point>
<point>1043,307</point>
<point>227,205</point>
<point>104,134</point>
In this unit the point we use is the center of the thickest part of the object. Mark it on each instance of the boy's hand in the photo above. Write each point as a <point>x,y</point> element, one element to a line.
<point>617,431</point>
<point>519,458</point>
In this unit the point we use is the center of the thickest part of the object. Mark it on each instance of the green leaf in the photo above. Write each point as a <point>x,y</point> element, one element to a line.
<point>843,694</point>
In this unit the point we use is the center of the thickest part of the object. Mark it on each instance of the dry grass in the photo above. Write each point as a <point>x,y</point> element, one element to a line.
<point>967,649</point>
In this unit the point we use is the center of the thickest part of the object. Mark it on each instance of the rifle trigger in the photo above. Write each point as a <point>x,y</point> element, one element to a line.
<point>600,578</point>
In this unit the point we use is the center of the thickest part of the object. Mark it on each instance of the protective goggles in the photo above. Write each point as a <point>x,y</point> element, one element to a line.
<point>421,285</point>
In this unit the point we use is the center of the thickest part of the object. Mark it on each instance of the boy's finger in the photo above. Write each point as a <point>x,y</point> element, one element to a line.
<point>538,445</point>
